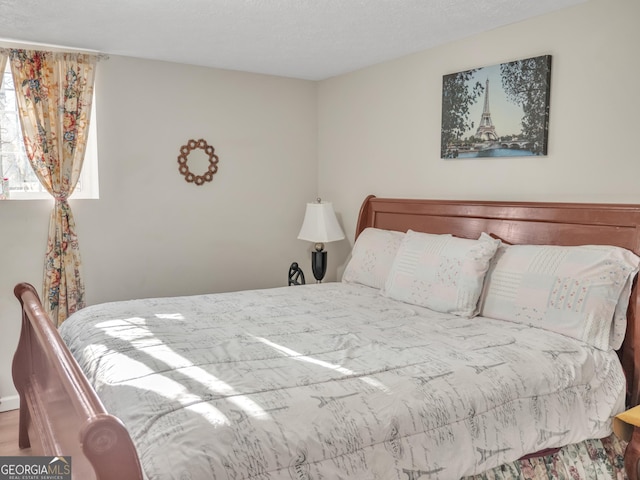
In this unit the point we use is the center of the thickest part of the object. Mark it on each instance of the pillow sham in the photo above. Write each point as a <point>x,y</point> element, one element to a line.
<point>440,272</point>
<point>578,291</point>
<point>372,256</point>
<point>619,327</point>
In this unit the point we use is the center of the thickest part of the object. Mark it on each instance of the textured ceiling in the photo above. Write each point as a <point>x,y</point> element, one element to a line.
<point>309,39</point>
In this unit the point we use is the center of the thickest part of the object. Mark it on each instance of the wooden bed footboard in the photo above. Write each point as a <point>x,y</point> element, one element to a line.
<point>60,414</point>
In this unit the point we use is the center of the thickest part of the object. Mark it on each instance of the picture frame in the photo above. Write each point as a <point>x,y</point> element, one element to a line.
<point>500,110</point>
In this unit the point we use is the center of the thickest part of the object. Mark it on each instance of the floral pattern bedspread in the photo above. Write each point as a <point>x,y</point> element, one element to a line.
<point>335,381</point>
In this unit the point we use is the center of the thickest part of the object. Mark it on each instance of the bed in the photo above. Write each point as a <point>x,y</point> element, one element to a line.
<point>372,429</point>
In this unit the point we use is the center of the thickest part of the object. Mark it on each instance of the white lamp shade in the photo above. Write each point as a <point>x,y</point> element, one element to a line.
<point>320,224</point>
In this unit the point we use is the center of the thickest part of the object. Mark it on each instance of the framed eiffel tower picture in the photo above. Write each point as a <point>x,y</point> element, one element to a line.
<point>497,111</point>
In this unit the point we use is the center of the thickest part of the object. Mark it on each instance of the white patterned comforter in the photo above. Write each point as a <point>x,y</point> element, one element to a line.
<point>335,381</point>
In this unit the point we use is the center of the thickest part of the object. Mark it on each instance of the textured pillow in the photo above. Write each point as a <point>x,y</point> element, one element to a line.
<point>372,256</point>
<point>440,272</point>
<point>619,328</point>
<point>576,291</point>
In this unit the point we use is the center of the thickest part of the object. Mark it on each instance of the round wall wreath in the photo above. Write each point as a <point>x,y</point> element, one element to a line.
<point>189,176</point>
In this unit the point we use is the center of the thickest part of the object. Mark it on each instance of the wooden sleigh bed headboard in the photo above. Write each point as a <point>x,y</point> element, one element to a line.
<point>62,415</point>
<point>525,223</point>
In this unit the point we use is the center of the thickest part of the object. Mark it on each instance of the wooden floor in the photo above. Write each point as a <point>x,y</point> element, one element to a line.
<point>9,435</point>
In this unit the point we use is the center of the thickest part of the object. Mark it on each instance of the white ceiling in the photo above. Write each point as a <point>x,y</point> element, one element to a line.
<point>308,39</point>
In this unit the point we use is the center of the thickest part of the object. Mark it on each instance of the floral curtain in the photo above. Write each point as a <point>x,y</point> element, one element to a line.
<point>3,63</point>
<point>54,92</point>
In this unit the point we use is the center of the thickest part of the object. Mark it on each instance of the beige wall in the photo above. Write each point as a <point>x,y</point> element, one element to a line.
<point>379,128</point>
<point>151,233</point>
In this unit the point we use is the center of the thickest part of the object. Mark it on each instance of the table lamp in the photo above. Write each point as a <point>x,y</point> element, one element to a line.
<point>320,226</point>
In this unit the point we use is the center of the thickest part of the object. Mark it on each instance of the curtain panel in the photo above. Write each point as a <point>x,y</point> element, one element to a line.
<point>54,92</point>
<point>3,64</point>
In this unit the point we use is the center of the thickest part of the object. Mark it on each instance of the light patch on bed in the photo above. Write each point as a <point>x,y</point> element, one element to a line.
<point>121,322</point>
<point>304,358</point>
<point>174,360</point>
<point>170,316</point>
<point>212,383</point>
<point>144,378</point>
<point>133,330</point>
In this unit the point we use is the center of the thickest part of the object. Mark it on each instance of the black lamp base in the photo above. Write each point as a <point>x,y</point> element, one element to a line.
<point>319,264</point>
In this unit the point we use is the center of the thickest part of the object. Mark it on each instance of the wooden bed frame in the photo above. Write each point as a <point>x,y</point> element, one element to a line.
<point>60,414</point>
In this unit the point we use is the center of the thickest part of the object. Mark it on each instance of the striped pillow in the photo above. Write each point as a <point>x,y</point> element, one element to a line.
<point>440,272</point>
<point>575,291</point>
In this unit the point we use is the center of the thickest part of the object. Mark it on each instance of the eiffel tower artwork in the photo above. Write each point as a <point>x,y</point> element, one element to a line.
<point>518,92</point>
<point>486,130</point>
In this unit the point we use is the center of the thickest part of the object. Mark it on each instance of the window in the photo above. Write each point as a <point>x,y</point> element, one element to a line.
<point>14,165</point>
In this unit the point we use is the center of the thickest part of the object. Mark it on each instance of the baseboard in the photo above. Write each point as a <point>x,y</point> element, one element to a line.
<point>9,403</point>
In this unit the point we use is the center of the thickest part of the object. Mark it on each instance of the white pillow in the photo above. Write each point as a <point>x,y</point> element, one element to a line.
<point>578,291</point>
<point>372,256</point>
<point>440,272</point>
<point>619,327</point>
